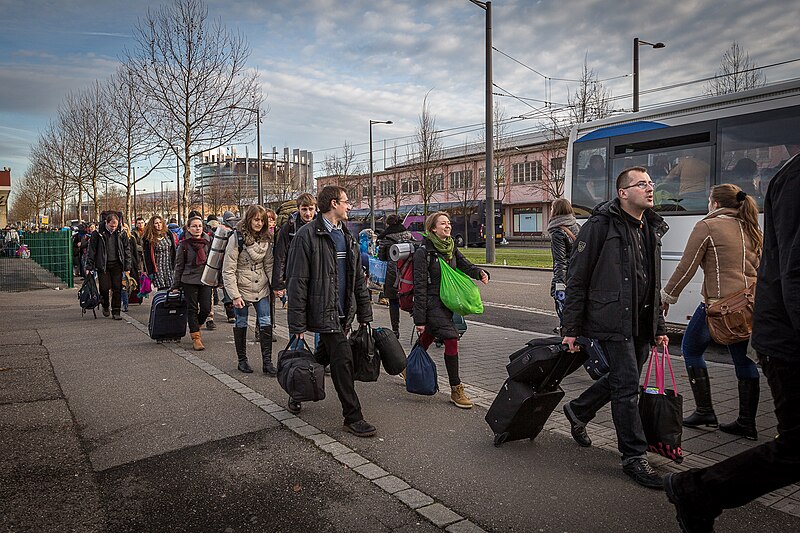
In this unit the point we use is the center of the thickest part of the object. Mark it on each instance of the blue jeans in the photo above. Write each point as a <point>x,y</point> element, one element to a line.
<point>620,387</point>
<point>263,318</point>
<point>697,338</point>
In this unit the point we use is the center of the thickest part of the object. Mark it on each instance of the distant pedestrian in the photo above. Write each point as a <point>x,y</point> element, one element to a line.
<point>726,244</point>
<point>394,233</point>
<point>190,262</point>
<point>159,253</point>
<point>327,290</point>
<point>563,229</point>
<point>246,274</point>
<point>613,295</point>
<point>432,318</point>
<point>110,255</point>
<point>700,495</point>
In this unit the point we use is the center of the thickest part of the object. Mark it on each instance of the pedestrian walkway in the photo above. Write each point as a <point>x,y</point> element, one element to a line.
<point>180,440</point>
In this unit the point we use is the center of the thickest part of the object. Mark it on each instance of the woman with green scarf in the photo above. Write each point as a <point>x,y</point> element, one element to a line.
<point>431,317</point>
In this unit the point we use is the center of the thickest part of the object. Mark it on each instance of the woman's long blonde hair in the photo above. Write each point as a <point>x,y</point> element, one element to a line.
<point>731,196</point>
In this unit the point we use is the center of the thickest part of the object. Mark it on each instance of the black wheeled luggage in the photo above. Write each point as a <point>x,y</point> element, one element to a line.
<point>520,412</point>
<point>168,314</point>
<point>543,363</point>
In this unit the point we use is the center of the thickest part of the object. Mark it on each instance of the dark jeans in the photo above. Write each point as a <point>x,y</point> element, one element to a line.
<point>111,280</point>
<point>621,387</point>
<point>394,313</point>
<point>697,338</point>
<point>198,301</point>
<point>757,471</point>
<point>338,348</point>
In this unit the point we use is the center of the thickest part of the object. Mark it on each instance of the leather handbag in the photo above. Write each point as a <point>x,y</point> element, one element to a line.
<point>730,320</point>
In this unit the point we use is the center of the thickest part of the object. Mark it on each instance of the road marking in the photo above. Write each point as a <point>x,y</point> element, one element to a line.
<point>520,308</point>
<point>535,334</point>
<point>515,282</point>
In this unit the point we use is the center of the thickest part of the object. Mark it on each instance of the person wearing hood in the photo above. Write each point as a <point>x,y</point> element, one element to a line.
<point>175,228</point>
<point>110,255</point>
<point>190,261</point>
<point>563,229</point>
<point>394,233</point>
<point>614,295</point>
<point>246,274</point>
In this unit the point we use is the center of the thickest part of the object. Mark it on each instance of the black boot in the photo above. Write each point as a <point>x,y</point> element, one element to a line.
<point>265,339</point>
<point>745,425</point>
<point>701,389</point>
<point>240,340</point>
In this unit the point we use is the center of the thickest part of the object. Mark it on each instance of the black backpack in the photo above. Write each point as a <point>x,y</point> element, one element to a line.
<point>89,296</point>
<point>299,374</point>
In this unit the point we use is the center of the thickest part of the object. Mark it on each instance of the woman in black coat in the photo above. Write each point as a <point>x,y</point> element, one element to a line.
<point>563,229</point>
<point>432,319</point>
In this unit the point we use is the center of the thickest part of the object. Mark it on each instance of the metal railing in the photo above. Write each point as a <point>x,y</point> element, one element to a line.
<point>36,261</point>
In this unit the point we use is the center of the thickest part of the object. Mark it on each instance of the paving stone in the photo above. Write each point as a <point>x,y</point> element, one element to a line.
<point>371,471</point>
<point>335,448</point>
<point>440,515</point>
<point>351,459</point>
<point>294,422</point>
<point>414,498</point>
<point>281,415</point>
<point>271,408</point>
<point>252,395</point>
<point>391,484</point>
<point>306,430</point>
<point>321,439</point>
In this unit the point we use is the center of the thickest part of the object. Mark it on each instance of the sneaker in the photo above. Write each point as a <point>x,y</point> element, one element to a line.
<point>362,428</point>
<point>689,523</point>
<point>577,428</point>
<point>383,301</point>
<point>459,397</point>
<point>210,326</point>
<point>643,474</point>
<point>116,316</point>
<point>294,407</point>
<point>106,312</point>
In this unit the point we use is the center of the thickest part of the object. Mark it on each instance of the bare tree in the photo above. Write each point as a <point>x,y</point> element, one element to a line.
<point>36,190</point>
<point>394,191</point>
<point>426,162</point>
<point>591,100</point>
<point>342,164</point>
<point>736,73</point>
<point>51,152</point>
<point>192,80</point>
<point>501,142</point>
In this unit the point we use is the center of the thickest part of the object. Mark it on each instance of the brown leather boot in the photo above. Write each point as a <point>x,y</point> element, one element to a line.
<point>197,342</point>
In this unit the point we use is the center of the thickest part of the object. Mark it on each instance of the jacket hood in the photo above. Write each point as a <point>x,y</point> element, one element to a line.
<point>722,211</point>
<point>394,228</point>
<point>614,209</point>
<point>563,220</point>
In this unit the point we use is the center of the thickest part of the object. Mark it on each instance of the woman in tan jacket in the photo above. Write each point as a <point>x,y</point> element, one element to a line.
<point>246,276</point>
<point>726,244</point>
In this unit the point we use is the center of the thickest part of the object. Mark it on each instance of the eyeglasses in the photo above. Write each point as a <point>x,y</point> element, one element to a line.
<point>641,184</point>
<point>344,201</point>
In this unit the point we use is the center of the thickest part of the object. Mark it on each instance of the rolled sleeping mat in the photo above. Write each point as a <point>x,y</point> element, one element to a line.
<point>400,251</point>
<point>211,273</point>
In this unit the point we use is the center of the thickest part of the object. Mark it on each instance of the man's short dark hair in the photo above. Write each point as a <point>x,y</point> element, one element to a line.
<point>138,219</point>
<point>624,179</point>
<point>328,194</point>
<point>306,199</point>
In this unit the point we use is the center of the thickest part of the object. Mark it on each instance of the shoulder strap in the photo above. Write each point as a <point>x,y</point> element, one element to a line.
<point>569,233</point>
<point>240,240</point>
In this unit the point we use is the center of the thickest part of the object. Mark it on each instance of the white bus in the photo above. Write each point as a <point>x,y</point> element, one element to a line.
<point>741,138</point>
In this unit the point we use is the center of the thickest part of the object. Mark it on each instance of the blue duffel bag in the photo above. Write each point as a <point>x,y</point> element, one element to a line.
<point>421,375</point>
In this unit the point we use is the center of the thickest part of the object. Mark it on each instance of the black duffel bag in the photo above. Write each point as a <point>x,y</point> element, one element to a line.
<point>389,350</point>
<point>299,374</point>
<point>366,362</point>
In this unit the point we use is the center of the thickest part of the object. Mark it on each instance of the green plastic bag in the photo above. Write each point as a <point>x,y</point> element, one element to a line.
<point>458,292</point>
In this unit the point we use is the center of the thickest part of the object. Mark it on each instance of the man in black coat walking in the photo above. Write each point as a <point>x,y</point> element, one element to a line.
<point>700,495</point>
<point>613,294</point>
<point>326,291</point>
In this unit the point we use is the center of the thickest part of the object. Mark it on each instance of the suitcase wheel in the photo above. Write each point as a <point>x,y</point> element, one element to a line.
<point>500,438</point>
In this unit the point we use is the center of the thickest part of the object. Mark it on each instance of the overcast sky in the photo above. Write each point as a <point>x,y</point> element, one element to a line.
<point>327,66</point>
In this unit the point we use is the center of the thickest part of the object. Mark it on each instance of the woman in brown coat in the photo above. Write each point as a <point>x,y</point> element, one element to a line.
<point>726,244</point>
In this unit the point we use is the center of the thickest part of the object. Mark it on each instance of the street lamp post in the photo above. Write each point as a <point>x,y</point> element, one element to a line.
<point>636,44</point>
<point>257,111</point>
<point>134,194</point>
<point>489,211</point>
<point>371,188</point>
<point>163,208</point>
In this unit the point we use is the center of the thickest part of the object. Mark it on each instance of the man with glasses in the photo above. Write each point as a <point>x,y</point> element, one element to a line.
<point>613,294</point>
<point>326,291</point>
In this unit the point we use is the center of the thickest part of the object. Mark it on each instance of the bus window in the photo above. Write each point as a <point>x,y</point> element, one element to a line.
<point>682,177</point>
<point>753,149</point>
<point>590,183</point>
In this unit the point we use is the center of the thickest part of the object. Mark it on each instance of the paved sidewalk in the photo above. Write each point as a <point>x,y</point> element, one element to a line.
<point>167,439</point>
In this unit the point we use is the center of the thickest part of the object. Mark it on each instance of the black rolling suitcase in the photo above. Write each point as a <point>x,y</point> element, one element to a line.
<point>167,317</point>
<point>543,363</point>
<point>520,412</point>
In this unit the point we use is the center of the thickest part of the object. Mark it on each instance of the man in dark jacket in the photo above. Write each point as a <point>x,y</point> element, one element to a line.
<point>613,294</point>
<point>700,495</point>
<point>306,209</point>
<point>326,291</point>
<point>110,255</point>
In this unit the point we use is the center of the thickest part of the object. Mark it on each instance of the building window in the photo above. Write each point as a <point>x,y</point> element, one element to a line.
<point>388,188</point>
<point>409,186</point>
<point>557,167</point>
<point>352,193</point>
<point>500,176</point>
<point>527,220</point>
<point>525,172</point>
<point>365,191</point>
<point>438,182</point>
<point>461,179</point>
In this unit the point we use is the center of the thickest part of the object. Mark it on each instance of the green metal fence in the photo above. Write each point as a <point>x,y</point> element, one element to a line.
<point>37,261</point>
